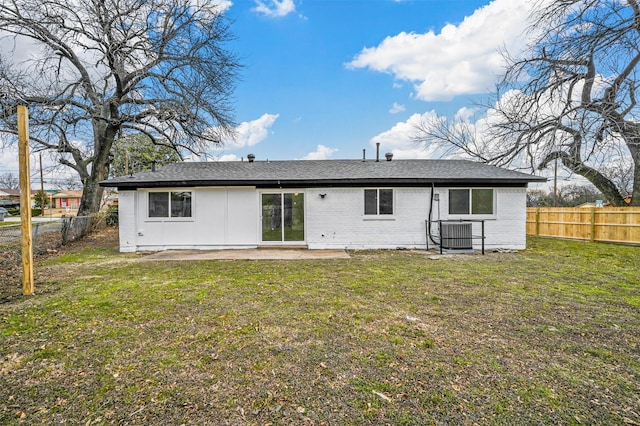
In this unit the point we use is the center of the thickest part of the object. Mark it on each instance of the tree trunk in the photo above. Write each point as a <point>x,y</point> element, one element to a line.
<point>599,180</point>
<point>92,194</point>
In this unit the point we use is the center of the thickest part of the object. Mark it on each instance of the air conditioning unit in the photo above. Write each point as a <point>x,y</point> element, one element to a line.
<point>456,236</point>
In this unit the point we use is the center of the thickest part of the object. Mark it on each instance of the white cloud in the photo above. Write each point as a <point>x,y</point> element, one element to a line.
<point>460,59</point>
<point>250,133</point>
<point>9,160</point>
<point>403,139</point>
<point>229,157</point>
<point>19,48</point>
<point>465,113</point>
<point>55,175</point>
<point>246,134</point>
<point>396,108</point>
<point>400,139</point>
<point>275,8</point>
<point>321,153</point>
<point>225,5</point>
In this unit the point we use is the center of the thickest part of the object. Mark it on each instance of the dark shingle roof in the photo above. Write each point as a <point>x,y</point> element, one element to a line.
<point>315,173</point>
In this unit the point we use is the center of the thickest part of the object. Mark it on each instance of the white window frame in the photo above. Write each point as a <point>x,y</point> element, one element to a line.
<point>170,218</point>
<point>377,215</point>
<point>281,191</point>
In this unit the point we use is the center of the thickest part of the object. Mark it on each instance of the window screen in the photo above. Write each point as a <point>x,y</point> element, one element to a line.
<point>482,201</point>
<point>386,201</point>
<point>158,204</point>
<point>181,204</point>
<point>370,201</point>
<point>458,201</point>
<point>170,204</point>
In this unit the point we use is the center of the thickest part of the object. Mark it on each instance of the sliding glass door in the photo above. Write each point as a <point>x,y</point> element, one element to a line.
<point>283,216</point>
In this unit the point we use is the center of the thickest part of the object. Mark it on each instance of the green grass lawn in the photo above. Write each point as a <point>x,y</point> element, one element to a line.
<point>545,336</point>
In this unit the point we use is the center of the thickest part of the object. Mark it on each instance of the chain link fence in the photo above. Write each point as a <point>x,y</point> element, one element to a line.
<point>47,237</point>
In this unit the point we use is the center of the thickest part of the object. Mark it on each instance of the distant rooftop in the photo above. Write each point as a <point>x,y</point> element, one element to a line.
<point>320,173</point>
<point>5,192</point>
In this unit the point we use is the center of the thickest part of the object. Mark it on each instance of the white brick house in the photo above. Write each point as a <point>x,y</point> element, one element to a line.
<point>351,204</point>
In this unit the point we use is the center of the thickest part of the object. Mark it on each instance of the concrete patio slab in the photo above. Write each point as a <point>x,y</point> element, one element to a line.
<point>248,254</point>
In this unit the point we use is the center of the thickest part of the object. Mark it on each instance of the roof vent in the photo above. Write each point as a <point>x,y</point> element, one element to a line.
<point>251,157</point>
<point>389,156</point>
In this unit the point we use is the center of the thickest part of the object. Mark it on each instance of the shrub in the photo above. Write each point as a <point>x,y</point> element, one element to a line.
<point>111,216</point>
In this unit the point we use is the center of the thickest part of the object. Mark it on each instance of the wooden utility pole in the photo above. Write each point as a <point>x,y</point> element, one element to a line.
<point>43,200</point>
<point>25,201</point>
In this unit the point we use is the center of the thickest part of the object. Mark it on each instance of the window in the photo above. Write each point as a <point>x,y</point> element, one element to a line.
<point>378,201</point>
<point>170,204</point>
<point>471,201</point>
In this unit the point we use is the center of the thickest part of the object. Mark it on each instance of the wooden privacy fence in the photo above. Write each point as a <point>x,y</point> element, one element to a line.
<point>605,224</point>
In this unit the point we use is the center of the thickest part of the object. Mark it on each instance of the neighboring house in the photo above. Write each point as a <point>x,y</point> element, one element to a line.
<point>66,199</point>
<point>110,198</point>
<point>10,194</point>
<point>319,204</point>
<point>589,205</point>
<point>8,202</point>
<point>13,196</point>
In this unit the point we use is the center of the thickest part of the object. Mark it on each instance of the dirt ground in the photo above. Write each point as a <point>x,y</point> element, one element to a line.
<point>48,245</point>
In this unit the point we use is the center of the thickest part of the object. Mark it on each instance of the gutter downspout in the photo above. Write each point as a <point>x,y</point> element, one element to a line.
<point>429,220</point>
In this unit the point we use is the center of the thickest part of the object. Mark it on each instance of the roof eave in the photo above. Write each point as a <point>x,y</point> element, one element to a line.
<point>315,183</point>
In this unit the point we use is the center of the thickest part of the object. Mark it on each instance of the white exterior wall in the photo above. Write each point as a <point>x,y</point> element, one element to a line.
<point>509,230</point>
<point>221,218</point>
<point>127,220</point>
<point>506,228</point>
<point>338,220</point>
<point>230,218</point>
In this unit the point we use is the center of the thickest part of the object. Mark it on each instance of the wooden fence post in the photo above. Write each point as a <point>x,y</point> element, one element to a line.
<point>593,224</point>
<point>25,201</point>
<point>537,221</point>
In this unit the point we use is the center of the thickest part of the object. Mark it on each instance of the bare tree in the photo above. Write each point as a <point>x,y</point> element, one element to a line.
<point>539,198</point>
<point>107,68</point>
<point>571,195</point>
<point>572,98</point>
<point>68,184</point>
<point>135,153</point>
<point>9,181</point>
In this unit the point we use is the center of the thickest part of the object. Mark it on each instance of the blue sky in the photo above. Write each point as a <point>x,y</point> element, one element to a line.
<point>329,78</point>
<point>325,79</point>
